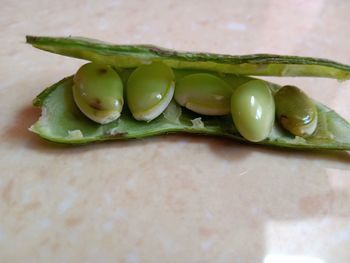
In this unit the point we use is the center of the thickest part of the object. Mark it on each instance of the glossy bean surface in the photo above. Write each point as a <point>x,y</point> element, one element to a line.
<point>253,110</point>
<point>150,89</point>
<point>204,93</point>
<point>295,111</point>
<point>98,92</point>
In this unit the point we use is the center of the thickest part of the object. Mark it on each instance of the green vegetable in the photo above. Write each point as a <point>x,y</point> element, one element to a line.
<point>295,111</point>
<point>253,110</point>
<point>204,93</point>
<point>150,89</point>
<point>63,122</point>
<point>98,92</point>
<point>124,56</point>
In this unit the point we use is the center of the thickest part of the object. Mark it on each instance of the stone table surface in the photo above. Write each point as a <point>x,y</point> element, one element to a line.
<point>174,198</point>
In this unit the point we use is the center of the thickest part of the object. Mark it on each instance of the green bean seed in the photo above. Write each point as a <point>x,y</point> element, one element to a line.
<point>98,92</point>
<point>204,93</point>
<point>253,110</point>
<point>150,89</point>
<point>295,111</point>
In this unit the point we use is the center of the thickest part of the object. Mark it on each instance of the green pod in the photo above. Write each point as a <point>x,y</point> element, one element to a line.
<point>253,110</point>
<point>204,93</point>
<point>149,90</point>
<point>98,92</point>
<point>61,120</point>
<point>132,56</point>
<point>295,111</point>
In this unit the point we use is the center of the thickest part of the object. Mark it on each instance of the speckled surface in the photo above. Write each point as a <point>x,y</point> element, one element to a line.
<point>174,198</point>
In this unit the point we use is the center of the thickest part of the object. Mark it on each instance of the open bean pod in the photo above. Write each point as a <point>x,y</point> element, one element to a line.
<point>212,94</point>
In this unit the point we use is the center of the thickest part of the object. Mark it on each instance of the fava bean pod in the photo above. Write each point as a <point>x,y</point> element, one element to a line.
<point>168,91</point>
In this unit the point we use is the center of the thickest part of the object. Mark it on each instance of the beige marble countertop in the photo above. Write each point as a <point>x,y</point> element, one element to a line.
<point>173,198</point>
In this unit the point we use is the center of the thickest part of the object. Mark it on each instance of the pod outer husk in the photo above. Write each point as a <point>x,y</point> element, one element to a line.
<point>131,56</point>
<point>62,122</point>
